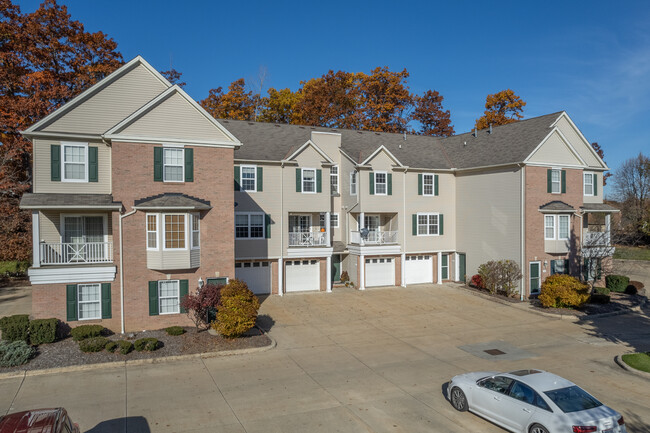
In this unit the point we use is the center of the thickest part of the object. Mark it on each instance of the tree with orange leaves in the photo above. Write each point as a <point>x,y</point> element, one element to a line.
<point>386,101</point>
<point>47,58</point>
<point>236,104</point>
<point>500,109</point>
<point>433,119</point>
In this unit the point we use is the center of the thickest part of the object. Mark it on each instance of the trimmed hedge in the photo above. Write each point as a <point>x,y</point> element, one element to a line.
<point>237,310</point>
<point>15,328</point>
<point>86,331</point>
<point>617,283</point>
<point>146,344</point>
<point>43,331</point>
<point>601,290</point>
<point>175,330</point>
<point>93,344</point>
<point>563,291</point>
<point>122,346</point>
<point>15,353</point>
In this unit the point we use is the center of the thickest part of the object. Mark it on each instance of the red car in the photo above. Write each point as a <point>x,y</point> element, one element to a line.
<point>38,421</point>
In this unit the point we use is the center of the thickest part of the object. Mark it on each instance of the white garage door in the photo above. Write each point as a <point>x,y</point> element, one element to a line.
<point>380,272</point>
<point>419,269</point>
<point>302,275</point>
<point>256,274</point>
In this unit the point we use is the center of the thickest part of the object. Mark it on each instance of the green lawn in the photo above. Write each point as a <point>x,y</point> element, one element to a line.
<point>13,266</point>
<point>640,361</point>
<point>632,253</point>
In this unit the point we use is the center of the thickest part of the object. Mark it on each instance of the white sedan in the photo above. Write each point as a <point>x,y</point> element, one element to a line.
<point>532,401</point>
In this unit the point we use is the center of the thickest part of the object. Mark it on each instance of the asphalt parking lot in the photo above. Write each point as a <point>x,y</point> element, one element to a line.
<point>350,361</point>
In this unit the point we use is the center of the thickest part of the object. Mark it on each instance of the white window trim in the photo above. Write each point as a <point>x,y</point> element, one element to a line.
<point>147,231</point>
<point>166,147</point>
<point>546,226</point>
<point>302,180</point>
<point>65,144</point>
<point>178,305</point>
<point>335,175</point>
<point>248,214</point>
<point>433,184</point>
<point>584,184</point>
<point>195,229</point>
<point>428,214</point>
<point>337,220</point>
<point>559,181</point>
<point>353,182</point>
<point>99,286</point>
<point>385,183</point>
<point>164,233</point>
<point>241,177</point>
<point>568,225</point>
<point>556,227</point>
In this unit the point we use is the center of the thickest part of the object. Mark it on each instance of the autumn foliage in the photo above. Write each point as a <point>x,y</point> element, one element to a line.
<point>501,108</point>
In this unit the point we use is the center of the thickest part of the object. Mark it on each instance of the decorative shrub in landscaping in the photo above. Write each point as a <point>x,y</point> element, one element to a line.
<point>111,346</point>
<point>175,330</point>
<point>617,283</point>
<point>477,282</point>
<point>15,328</point>
<point>93,344</point>
<point>15,353</point>
<point>146,344</point>
<point>634,287</point>
<point>345,277</point>
<point>201,306</point>
<point>86,331</point>
<point>500,276</point>
<point>563,291</point>
<point>122,346</point>
<point>237,310</point>
<point>43,331</point>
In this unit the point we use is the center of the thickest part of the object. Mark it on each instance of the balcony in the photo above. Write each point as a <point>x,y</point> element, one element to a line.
<point>374,237</point>
<point>313,238</point>
<point>595,239</point>
<point>76,253</point>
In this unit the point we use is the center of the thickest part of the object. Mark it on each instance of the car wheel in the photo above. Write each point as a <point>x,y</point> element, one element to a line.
<point>458,399</point>
<point>538,428</point>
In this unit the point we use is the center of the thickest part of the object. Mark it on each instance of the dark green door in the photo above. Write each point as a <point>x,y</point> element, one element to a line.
<point>534,277</point>
<point>461,267</point>
<point>336,267</point>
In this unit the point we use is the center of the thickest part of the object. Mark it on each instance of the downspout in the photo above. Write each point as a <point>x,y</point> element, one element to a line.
<point>122,269</point>
<point>281,260</point>
<point>523,231</point>
<point>403,256</point>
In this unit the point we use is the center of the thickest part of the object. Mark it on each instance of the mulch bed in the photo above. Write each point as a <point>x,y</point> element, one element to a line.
<point>66,352</point>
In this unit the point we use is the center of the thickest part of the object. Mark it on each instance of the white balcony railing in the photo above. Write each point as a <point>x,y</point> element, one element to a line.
<point>307,239</point>
<point>374,238</point>
<point>73,253</point>
<point>596,239</point>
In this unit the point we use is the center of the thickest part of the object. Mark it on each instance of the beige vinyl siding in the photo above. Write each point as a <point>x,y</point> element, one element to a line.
<point>111,104</point>
<point>175,117</point>
<point>578,143</point>
<point>555,151</point>
<point>306,202</point>
<point>598,198</point>
<point>330,143</point>
<point>50,224</point>
<point>381,203</point>
<point>169,260</point>
<point>42,171</point>
<point>488,220</point>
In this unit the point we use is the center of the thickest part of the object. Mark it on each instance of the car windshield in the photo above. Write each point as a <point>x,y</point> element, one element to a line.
<point>572,399</point>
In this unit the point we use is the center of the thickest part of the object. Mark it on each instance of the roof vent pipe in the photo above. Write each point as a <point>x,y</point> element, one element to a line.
<point>475,133</point>
<point>490,131</point>
<point>404,135</point>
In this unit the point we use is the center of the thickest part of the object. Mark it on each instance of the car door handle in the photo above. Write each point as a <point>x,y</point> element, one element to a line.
<point>497,398</point>
<point>526,410</point>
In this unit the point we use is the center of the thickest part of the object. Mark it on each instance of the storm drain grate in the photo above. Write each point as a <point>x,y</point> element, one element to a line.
<point>494,352</point>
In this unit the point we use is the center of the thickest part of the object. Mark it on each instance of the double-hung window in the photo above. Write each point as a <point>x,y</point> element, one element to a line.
<point>334,179</point>
<point>556,227</point>
<point>168,296</point>
<point>380,183</point>
<point>353,183</point>
<point>173,165</point>
<point>249,226</point>
<point>308,180</point>
<point>549,227</point>
<point>588,184</point>
<point>248,178</point>
<point>427,184</point>
<point>75,162</point>
<point>563,227</point>
<point>334,220</point>
<point>89,301</point>
<point>427,224</point>
<point>556,181</point>
<point>194,229</point>
<point>152,231</point>
<point>175,232</point>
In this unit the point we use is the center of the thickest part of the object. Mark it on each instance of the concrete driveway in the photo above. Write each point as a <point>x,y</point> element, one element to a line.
<point>15,300</point>
<point>350,361</point>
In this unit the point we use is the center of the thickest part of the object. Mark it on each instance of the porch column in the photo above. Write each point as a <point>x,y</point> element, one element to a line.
<point>361,225</point>
<point>280,274</point>
<point>329,272</point>
<point>327,230</point>
<point>403,268</point>
<point>362,274</point>
<point>440,268</point>
<point>608,229</point>
<point>36,244</point>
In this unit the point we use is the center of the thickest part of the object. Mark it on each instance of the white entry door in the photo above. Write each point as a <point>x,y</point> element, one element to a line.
<point>302,275</point>
<point>256,274</point>
<point>419,269</point>
<point>380,272</point>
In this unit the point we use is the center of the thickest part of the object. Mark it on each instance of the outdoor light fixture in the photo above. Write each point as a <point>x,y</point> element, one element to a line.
<point>545,263</point>
<point>200,282</point>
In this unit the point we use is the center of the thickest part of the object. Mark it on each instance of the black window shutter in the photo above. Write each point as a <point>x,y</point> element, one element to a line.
<point>71,302</point>
<point>441,225</point>
<point>237,178</point>
<point>319,180</point>
<point>153,298</point>
<point>157,164</point>
<point>55,163</point>
<point>189,165</point>
<point>595,181</point>
<point>435,184</point>
<point>184,290</point>
<point>298,180</point>
<point>419,183</point>
<point>552,267</point>
<point>371,183</point>
<point>267,221</point>
<point>107,309</point>
<point>260,179</point>
<point>414,224</point>
<point>563,181</point>
<point>389,181</point>
<point>549,180</point>
<point>93,164</point>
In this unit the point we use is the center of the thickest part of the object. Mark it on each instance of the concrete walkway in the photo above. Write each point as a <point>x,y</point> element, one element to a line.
<point>350,361</point>
<point>15,300</point>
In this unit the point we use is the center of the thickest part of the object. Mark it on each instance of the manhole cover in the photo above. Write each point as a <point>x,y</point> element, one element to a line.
<point>494,352</point>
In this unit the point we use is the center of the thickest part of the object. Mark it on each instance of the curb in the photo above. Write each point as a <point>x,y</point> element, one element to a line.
<point>135,362</point>
<point>619,360</point>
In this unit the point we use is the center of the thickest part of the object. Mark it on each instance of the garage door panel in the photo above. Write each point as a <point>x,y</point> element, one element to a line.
<point>257,275</point>
<point>302,275</point>
<point>380,272</point>
<point>419,269</point>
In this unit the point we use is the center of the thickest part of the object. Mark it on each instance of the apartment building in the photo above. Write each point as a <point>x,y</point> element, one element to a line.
<point>139,196</point>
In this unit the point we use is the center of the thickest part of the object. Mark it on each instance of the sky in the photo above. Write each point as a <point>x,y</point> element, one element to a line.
<point>588,58</point>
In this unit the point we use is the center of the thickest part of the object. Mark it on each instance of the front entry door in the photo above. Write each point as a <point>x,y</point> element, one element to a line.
<point>534,277</point>
<point>336,267</point>
<point>461,268</point>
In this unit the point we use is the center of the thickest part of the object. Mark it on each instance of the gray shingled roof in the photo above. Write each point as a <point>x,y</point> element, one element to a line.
<point>506,144</point>
<point>598,207</point>
<point>172,200</point>
<point>557,206</point>
<point>71,201</point>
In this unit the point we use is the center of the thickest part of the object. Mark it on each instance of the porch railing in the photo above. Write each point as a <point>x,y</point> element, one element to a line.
<point>307,239</point>
<point>374,238</point>
<point>596,239</point>
<point>73,253</point>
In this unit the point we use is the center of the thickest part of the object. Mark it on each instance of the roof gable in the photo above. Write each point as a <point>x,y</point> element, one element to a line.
<point>555,149</point>
<point>377,155</point>
<point>579,142</point>
<point>309,153</point>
